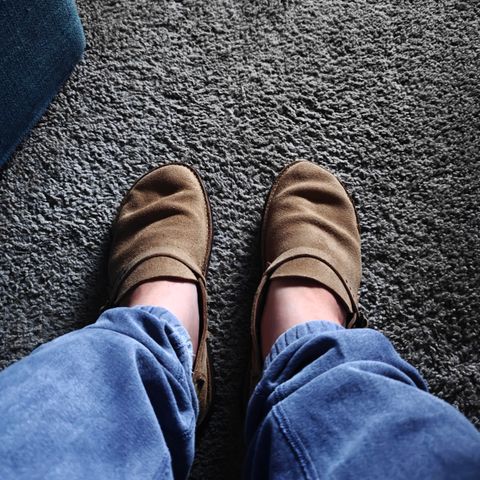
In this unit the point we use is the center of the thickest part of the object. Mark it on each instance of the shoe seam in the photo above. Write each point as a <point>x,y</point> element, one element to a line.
<point>271,194</point>
<point>208,213</point>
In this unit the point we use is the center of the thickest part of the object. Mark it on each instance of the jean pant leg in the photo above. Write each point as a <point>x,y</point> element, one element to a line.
<point>336,403</point>
<point>113,400</point>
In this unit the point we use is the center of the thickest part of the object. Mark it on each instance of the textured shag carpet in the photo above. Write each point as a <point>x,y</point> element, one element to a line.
<point>384,93</point>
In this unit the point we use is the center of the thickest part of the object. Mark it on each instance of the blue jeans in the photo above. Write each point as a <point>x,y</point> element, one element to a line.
<point>40,43</point>
<point>115,400</point>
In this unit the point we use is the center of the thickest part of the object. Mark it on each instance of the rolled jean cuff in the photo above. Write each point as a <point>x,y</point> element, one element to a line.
<point>180,338</point>
<point>296,333</point>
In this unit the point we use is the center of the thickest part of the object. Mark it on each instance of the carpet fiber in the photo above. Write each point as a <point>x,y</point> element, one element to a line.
<point>385,94</point>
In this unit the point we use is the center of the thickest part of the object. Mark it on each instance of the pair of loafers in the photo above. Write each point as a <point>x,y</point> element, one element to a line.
<point>164,229</point>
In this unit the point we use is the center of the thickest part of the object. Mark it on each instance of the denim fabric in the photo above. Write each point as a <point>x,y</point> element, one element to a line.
<point>116,400</point>
<point>40,43</point>
<point>113,400</point>
<point>341,404</point>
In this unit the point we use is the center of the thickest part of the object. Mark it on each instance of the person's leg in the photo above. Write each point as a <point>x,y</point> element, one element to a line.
<point>113,400</point>
<point>332,402</point>
<point>337,403</point>
<point>177,296</point>
<point>122,398</point>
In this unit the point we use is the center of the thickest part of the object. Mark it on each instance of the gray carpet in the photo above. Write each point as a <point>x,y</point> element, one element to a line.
<point>385,94</point>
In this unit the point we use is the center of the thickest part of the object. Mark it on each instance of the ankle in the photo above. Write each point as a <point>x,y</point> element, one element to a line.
<point>292,301</point>
<point>179,297</point>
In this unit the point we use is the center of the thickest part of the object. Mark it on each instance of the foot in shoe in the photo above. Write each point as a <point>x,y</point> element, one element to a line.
<point>180,297</point>
<point>291,301</point>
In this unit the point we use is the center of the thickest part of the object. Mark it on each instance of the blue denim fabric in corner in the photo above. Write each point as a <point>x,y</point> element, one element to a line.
<point>40,43</point>
<point>342,404</point>
<point>114,400</point>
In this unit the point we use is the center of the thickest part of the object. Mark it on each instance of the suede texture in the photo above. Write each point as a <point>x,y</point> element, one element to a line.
<point>166,212</point>
<point>164,229</point>
<point>309,230</point>
<point>383,94</point>
<point>310,219</point>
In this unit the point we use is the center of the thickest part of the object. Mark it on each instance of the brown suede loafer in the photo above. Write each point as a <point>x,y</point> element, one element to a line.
<point>310,230</point>
<point>164,229</point>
